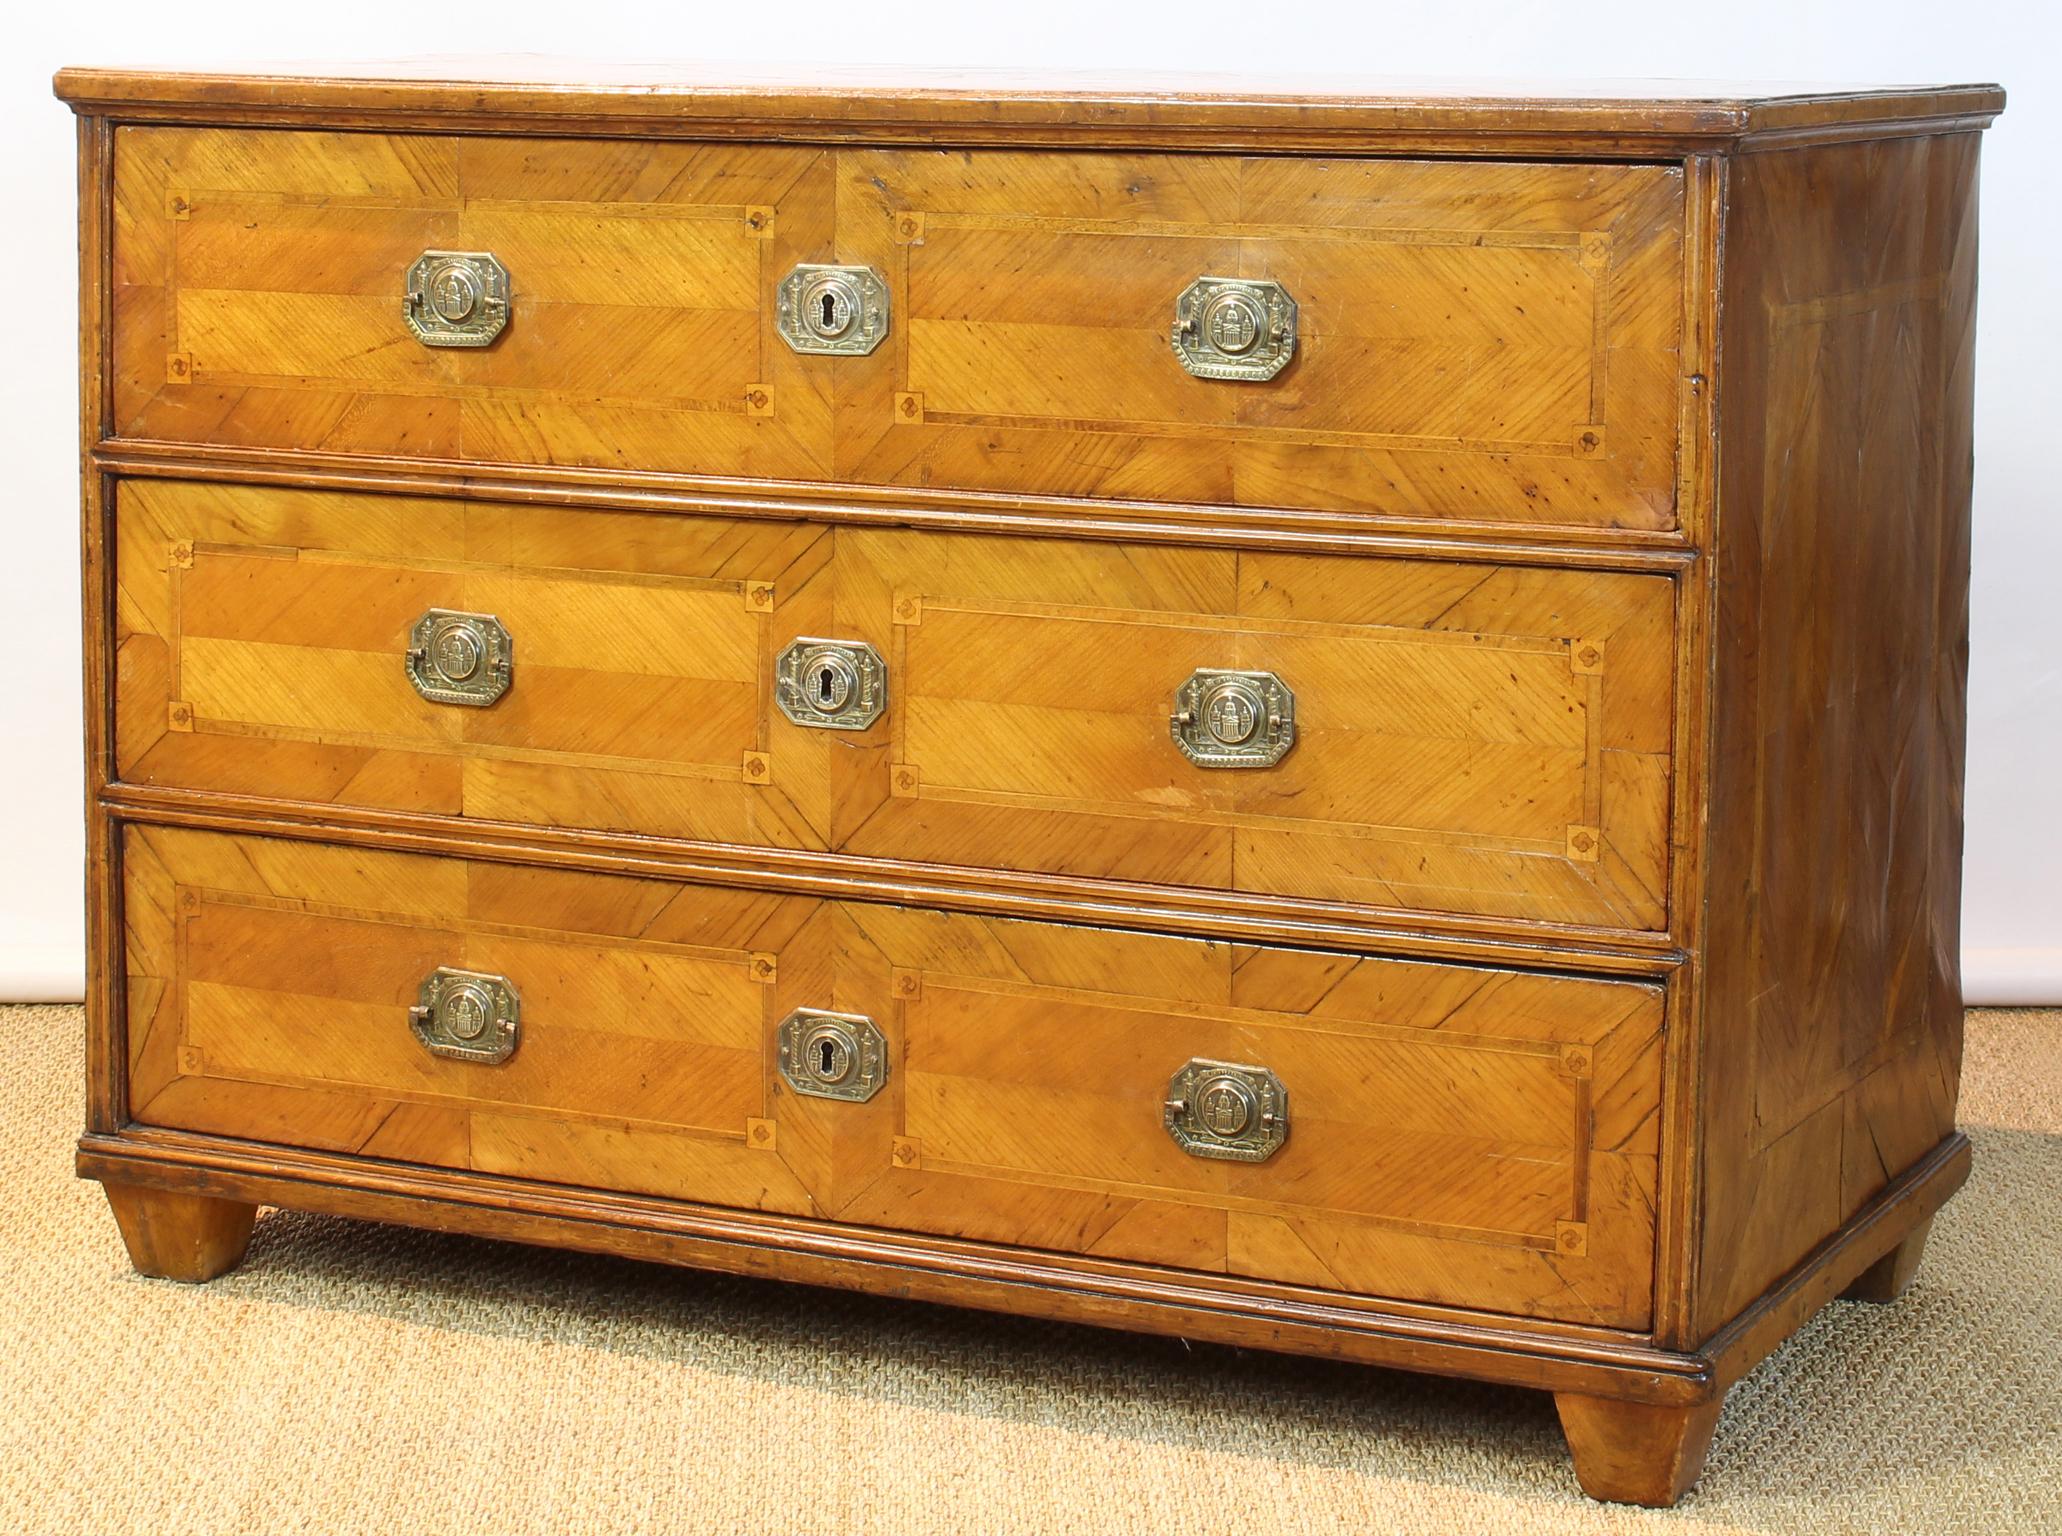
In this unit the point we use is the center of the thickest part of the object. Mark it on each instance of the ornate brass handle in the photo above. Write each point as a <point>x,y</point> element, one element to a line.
<point>456,298</point>
<point>1234,328</point>
<point>460,658</point>
<point>467,1016</point>
<point>1226,1110</point>
<point>1234,719</point>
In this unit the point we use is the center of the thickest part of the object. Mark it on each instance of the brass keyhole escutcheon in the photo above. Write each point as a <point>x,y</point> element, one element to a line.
<point>832,1055</point>
<point>838,311</point>
<point>834,685</point>
<point>837,300</point>
<point>834,677</point>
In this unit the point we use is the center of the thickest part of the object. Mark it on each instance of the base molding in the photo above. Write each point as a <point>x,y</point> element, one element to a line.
<point>1904,1207</point>
<point>1222,1309</point>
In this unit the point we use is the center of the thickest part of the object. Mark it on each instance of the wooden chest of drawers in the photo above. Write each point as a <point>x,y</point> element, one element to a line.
<point>1317,718</point>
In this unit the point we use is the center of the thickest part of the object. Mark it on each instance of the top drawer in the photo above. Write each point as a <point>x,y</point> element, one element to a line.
<point>1474,340</point>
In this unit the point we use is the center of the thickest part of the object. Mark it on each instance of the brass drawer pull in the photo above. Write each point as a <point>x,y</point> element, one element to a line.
<point>456,298</point>
<point>833,685</point>
<point>1234,719</point>
<point>467,1016</point>
<point>833,1055</point>
<point>1222,1109</point>
<point>833,311</point>
<point>1234,328</point>
<point>460,658</point>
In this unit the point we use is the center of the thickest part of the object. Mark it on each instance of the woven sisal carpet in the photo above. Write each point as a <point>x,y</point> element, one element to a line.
<point>352,1378</point>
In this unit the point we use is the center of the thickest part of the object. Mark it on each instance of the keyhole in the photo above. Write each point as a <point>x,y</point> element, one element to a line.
<point>830,312</point>
<point>826,686</point>
<point>826,1059</point>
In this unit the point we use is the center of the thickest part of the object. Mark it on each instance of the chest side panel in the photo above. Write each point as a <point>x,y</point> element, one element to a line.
<point>1832,1003</point>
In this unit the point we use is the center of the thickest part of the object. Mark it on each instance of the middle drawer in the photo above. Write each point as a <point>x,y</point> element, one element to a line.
<point>1422,735</point>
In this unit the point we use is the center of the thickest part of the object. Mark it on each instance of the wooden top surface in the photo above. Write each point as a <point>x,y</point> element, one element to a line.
<point>515,93</point>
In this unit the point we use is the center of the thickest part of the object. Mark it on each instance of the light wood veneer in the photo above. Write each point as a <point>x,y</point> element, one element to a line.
<point>1611,525</point>
<point>1476,740</point>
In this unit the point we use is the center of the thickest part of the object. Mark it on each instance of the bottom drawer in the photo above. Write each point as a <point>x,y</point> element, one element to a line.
<point>1421,1131</point>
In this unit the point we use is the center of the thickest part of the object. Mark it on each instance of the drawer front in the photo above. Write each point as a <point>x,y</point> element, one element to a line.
<point>1443,1134</point>
<point>1471,340</point>
<point>263,639</point>
<point>1468,738</point>
<point>259,279</point>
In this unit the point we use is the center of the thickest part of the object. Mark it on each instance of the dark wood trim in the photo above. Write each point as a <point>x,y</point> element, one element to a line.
<point>106,1062</point>
<point>1554,1357</point>
<point>1697,598</point>
<point>1906,1204</point>
<point>879,105</point>
<point>1056,898</point>
<point>1776,141</point>
<point>1223,1309</point>
<point>1301,532</point>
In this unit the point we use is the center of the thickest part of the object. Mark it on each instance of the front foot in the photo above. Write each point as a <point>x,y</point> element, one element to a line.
<point>173,1236</point>
<point>1636,1453</point>
<point>1890,1276</point>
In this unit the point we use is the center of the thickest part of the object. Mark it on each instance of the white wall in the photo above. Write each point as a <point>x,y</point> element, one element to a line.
<point>2014,905</point>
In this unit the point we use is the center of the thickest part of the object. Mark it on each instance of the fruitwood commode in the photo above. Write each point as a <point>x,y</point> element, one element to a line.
<point>1318,718</point>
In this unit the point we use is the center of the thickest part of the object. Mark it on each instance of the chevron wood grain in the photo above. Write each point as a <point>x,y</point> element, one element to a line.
<point>1609,526</point>
<point>1473,739</point>
<point>258,298</point>
<point>1457,724</point>
<point>1027,1067</point>
<point>1474,340</point>
<point>261,636</point>
<point>1489,341</point>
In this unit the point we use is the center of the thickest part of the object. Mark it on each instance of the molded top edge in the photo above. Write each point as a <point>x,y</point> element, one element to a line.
<point>513,92</point>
